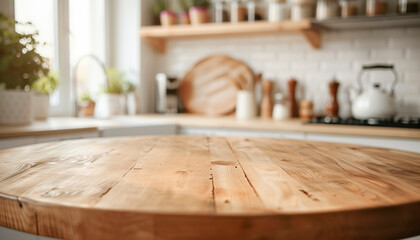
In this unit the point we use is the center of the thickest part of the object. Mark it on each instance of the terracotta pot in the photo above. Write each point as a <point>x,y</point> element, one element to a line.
<point>87,110</point>
<point>198,15</point>
<point>16,107</point>
<point>184,18</point>
<point>167,18</point>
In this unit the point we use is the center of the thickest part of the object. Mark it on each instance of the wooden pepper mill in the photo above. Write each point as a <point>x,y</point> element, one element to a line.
<point>294,112</point>
<point>332,107</point>
<point>266,102</point>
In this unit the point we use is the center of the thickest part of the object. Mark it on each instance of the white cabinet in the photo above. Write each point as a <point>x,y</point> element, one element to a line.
<point>143,130</point>
<point>412,145</point>
<point>239,133</point>
<point>22,141</point>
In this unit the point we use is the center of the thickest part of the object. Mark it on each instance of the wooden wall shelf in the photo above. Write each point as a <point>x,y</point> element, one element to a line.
<point>157,35</point>
<point>364,22</point>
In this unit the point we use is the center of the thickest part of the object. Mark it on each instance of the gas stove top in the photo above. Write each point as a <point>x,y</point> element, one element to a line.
<point>399,122</point>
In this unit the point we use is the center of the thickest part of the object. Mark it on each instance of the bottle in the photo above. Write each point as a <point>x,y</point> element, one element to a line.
<point>280,109</point>
<point>332,107</point>
<point>292,98</point>
<point>266,102</point>
<point>306,110</point>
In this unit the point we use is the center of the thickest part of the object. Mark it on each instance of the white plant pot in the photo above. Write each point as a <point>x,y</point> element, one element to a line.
<point>131,104</point>
<point>41,106</point>
<point>15,107</point>
<point>109,105</point>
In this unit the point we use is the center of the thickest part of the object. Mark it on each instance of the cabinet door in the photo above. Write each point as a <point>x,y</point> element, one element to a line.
<point>146,130</point>
<point>16,142</point>
<point>66,136</point>
<point>412,145</point>
<point>238,133</point>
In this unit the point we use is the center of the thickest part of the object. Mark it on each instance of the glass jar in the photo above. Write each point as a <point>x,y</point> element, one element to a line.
<point>238,11</point>
<point>256,10</point>
<point>302,9</point>
<point>376,7</point>
<point>326,9</point>
<point>278,10</point>
<point>349,8</point>
<point>408,6</point>
<point>220,13</point>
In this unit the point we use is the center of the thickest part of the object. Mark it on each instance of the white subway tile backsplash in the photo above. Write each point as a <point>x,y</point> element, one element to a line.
<point>412,77</point>
<point>336,66</point>
<point>305,65</point>
<point>403,42</point>
<point>413,53</point>
<point>352,54</point>
<point>320,55</point>
<point>370,42</point>
<point>281,57</point>
<point>381,54</point>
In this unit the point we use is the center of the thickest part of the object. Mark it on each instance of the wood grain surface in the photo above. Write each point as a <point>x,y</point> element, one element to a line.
<point>210,87</point>
<point>192,187</point>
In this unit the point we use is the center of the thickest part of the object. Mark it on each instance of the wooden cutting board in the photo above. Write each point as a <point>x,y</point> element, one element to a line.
<point>210,87</point>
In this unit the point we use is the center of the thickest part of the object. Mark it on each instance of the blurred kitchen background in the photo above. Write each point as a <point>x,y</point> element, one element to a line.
<point>110,30</point>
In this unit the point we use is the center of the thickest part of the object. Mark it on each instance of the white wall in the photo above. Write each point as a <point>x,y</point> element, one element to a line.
<point>282,57</point>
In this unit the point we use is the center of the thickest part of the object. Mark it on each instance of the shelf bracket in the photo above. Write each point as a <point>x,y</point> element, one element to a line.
<point>158,43</point>
<point>313,36</point>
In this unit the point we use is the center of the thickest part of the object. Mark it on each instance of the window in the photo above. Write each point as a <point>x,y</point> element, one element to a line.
<point>71,29</point>
<point>28,11</point>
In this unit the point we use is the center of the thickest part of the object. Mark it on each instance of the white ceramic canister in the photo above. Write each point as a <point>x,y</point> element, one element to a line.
<point>302,9</point>
<point>245,105</point>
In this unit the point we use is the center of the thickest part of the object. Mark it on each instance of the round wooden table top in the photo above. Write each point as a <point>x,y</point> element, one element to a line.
<point>190,187</point>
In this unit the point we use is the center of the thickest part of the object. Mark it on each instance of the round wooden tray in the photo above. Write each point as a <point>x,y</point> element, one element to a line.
<point>210,87</point>
<point>185,187</point>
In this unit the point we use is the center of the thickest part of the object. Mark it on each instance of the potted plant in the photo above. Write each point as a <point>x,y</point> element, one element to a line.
<point>87,105</point>
<point>114,99</point>
<point>43,88</point>
<point>20,66</point>
<point>158,7</point>
<point>184,17</point>
<point>199,11</point>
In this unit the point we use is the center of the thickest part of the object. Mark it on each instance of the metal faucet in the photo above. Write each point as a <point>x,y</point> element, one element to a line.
<point>76,66</point>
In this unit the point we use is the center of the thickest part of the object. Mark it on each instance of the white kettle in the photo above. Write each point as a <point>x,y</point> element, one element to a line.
<point>375,102</point>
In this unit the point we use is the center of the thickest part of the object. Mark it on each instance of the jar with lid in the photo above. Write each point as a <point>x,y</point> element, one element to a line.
<point>326,9</point>
<point>256,9</point>
<point>408,6</point>
<point>302,9</point>
<point>280,109</point>
<point>349,8</point>
<point>376,7</point>
<point>220,13</point>
<point>238,11</point>
<point>278,10</point>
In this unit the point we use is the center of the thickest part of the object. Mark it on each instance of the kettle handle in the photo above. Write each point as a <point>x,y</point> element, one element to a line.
<point>378,66</point>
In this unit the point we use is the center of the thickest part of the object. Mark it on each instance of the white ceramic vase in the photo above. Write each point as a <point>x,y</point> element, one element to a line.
<point>245,105</point>
<point>16,107</point>
<point>41,106</point>
<point>109,105</point>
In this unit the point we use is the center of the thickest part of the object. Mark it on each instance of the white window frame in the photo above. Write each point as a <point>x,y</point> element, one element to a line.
<point>67,100</point>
